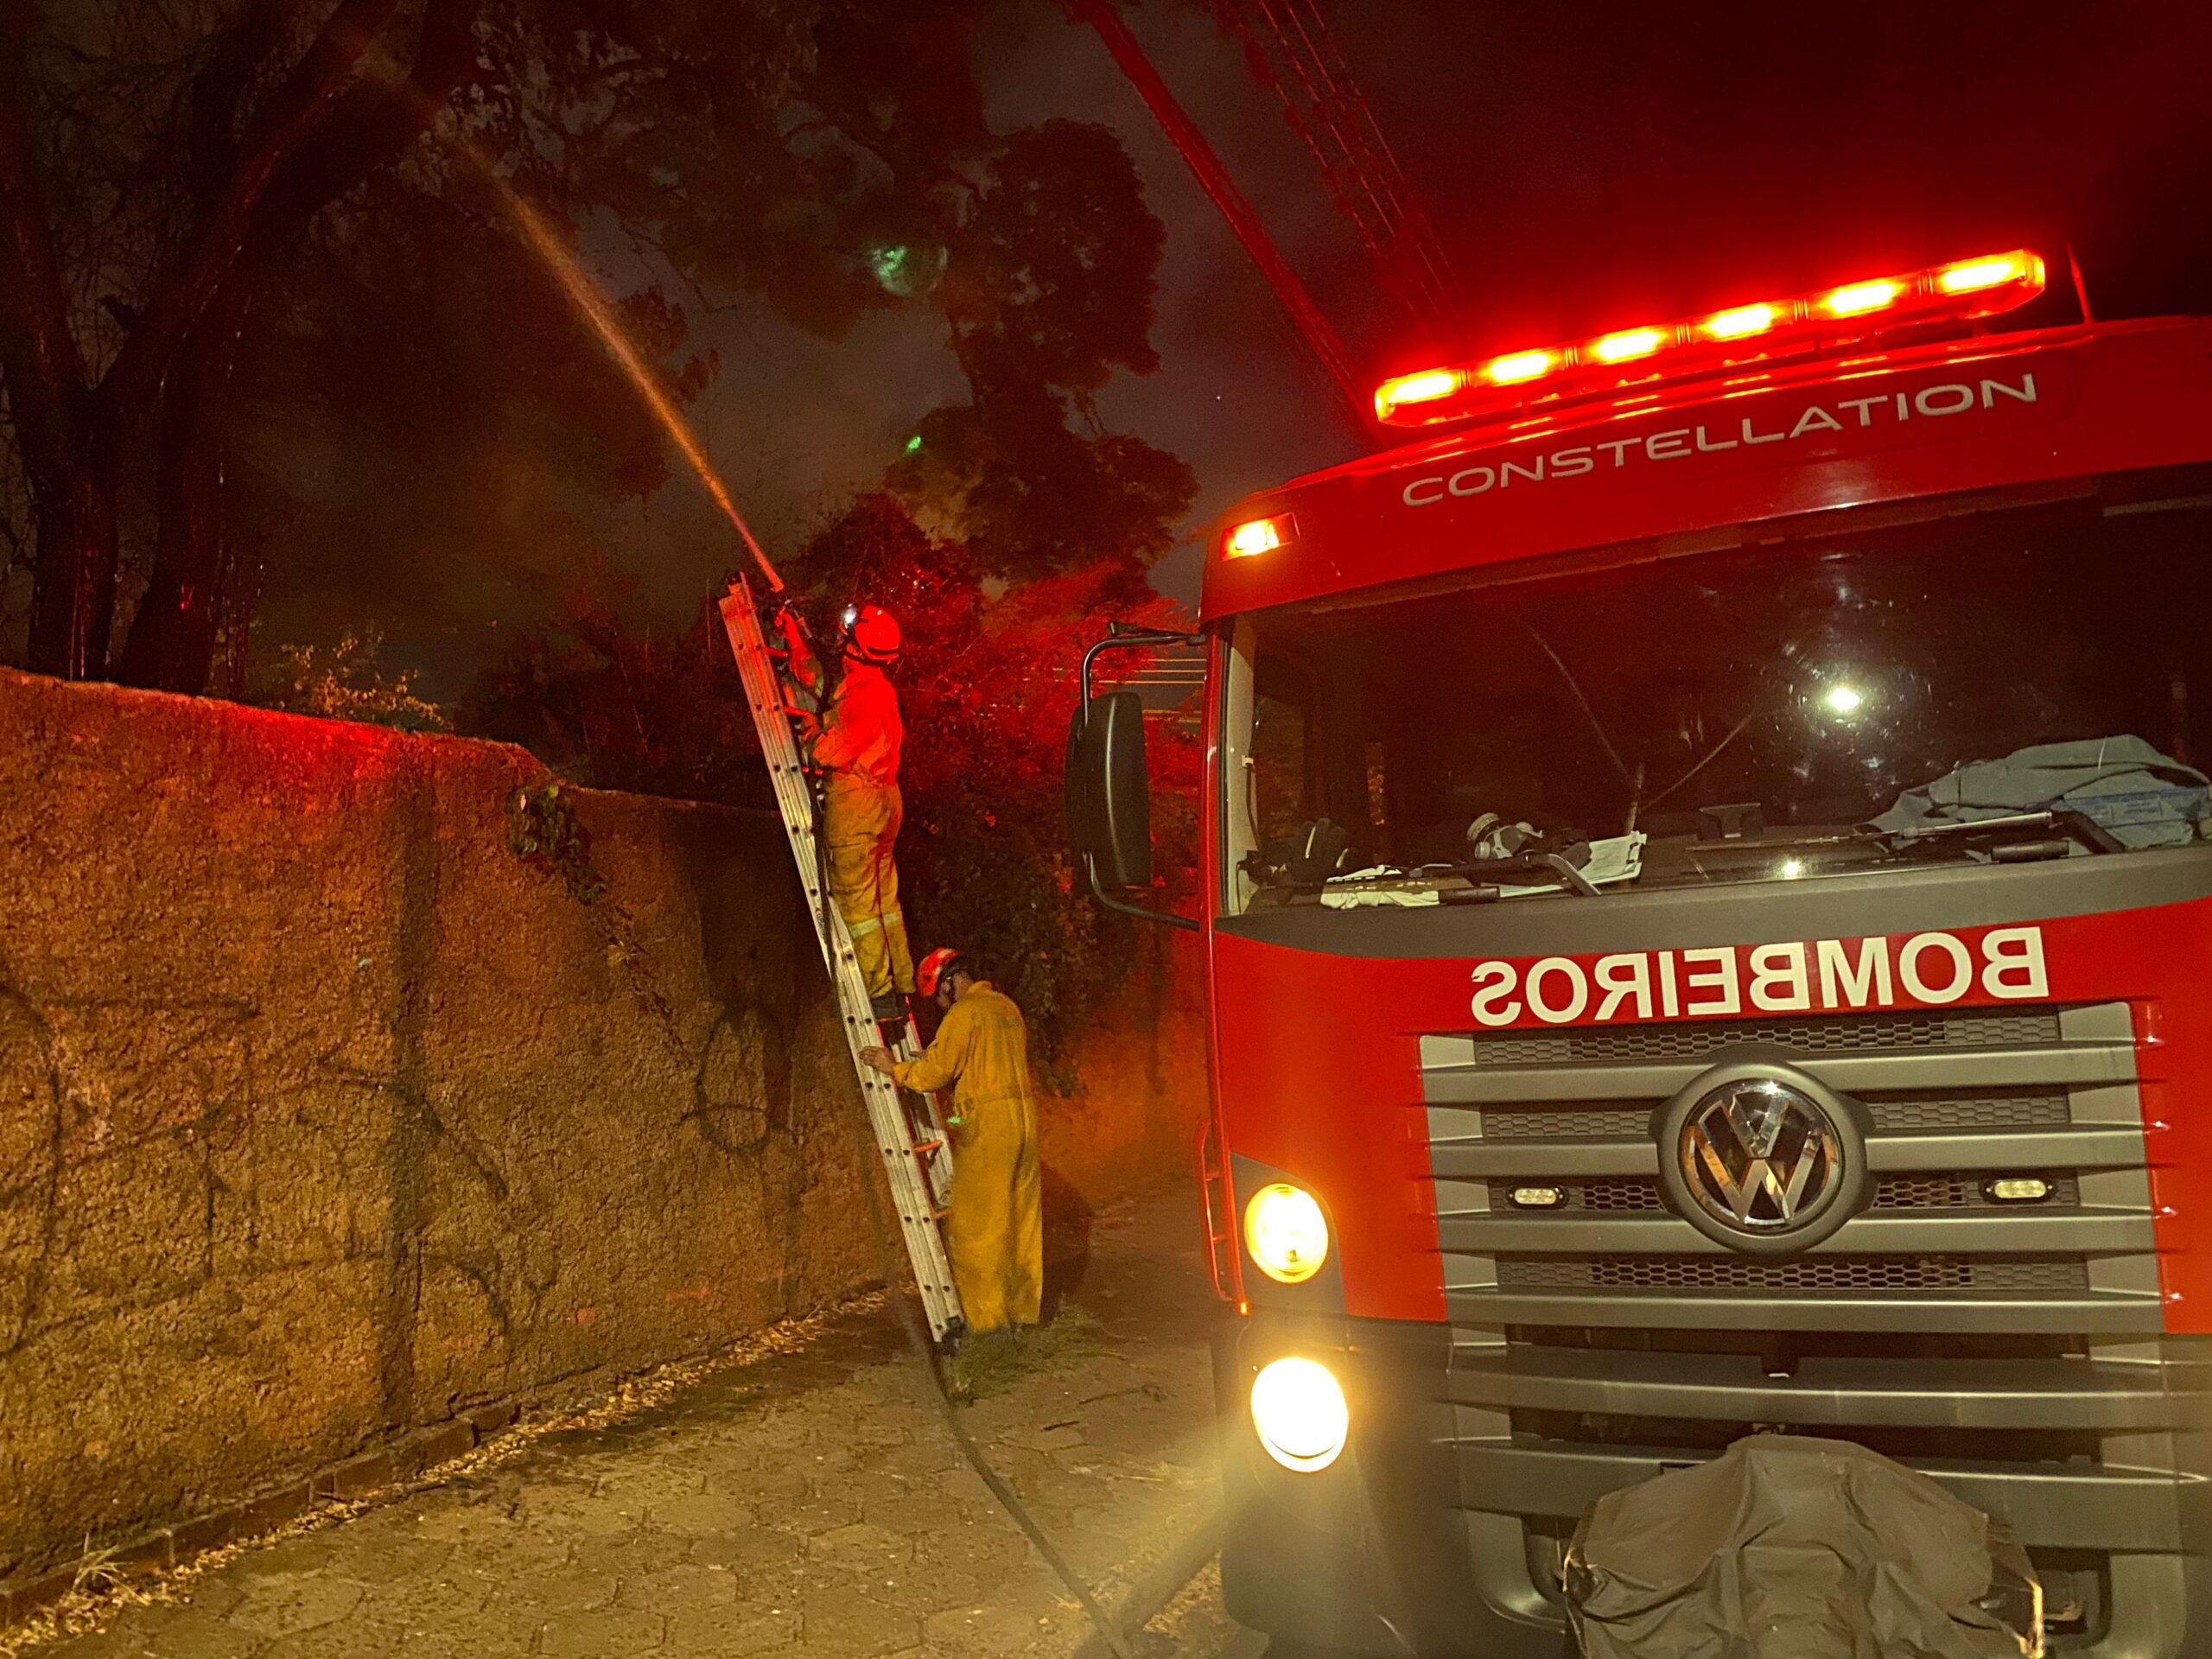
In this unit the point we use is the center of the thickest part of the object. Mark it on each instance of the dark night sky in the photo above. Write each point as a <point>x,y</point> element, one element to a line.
<point>1588,165</point>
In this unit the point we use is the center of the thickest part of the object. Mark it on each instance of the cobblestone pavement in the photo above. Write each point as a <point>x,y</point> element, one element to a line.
<point>807,1504</point>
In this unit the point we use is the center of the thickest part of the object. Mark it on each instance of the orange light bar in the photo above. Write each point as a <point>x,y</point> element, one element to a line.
<point>1423,388</point>
<point>1815,321</point>
<point>1976,276</point>
<point>1857,299</point>
<point>1259,535</point>
<point>1739,323</point>
<point>1515,366</point>
<point>1630,344</point>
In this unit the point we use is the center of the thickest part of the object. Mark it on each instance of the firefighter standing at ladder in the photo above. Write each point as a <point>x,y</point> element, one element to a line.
<point>980,1052</point>
<point>854,741</point>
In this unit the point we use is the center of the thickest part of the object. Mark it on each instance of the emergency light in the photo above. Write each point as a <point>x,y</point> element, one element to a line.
<point>1980,287</point>
<point>1259,536</point>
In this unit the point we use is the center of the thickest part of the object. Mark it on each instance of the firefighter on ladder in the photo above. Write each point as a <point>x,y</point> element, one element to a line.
<point>853,741</point>
<point>996,1231</point>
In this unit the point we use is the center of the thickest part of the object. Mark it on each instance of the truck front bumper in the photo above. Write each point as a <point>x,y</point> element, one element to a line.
<point>1426,1539</point>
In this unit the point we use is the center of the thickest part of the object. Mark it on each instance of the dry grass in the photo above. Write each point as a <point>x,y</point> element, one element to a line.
<point>991,1365</point>
<point>102,1590</point>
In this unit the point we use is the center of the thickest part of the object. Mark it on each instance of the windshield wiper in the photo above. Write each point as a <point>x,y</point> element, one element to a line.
<point>1570,878</point>
<point>1532,867</point>
<point>1486,880</point>
<point>2078,828</point>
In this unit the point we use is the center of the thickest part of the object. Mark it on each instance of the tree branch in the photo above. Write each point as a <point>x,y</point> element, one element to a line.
<point>374,123</point>
<point>212,101</point>
<point>173,638</point>
<point>301,101</point>
<point>45,371</point>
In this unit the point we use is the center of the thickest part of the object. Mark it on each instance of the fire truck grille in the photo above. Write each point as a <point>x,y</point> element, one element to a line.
<point>1967,1109</point>
<point>1834,1033</point>
<point>1735,1272</point>
<point>1998,1344</point>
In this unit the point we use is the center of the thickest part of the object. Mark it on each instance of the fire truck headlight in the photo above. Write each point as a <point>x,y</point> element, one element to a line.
<point>1299,1413</point>
<point>1286,1232</point>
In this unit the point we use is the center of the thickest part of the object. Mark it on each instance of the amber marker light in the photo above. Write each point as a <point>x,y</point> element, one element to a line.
<point>1628,344</point>
<point>1256,536</point>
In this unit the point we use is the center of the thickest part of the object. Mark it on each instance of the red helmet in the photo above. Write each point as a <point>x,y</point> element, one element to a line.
<point>871,634</point>
<point>935,967</point>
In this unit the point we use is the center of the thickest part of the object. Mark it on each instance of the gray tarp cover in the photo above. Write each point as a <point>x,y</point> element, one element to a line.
<point>1787,1547</point>
<point>2144,798</point>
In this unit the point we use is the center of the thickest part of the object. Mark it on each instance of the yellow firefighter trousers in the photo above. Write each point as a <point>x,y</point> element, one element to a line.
<point>998,1216</point>
<point>860,828</point>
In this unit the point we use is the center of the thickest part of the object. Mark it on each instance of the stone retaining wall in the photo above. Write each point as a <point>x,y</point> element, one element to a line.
<point>323,1118</point>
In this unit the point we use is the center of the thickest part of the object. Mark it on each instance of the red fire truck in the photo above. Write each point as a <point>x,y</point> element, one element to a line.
<point>1708,923</point>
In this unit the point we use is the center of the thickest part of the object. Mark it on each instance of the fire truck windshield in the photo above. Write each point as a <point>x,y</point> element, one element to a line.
<point>1750,711</point>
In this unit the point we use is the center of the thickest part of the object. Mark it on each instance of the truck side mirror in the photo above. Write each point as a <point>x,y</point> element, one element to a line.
<point>1108,802</point>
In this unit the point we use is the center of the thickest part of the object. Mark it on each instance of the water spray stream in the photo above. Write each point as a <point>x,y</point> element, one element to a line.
<point>583,294</point>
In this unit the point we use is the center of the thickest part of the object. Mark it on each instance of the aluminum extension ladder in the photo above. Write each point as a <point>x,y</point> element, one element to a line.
<point>909,1133</point>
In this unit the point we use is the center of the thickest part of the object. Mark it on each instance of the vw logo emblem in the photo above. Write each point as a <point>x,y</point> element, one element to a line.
<point>1761,1158</point>
<point>1759,1155</point>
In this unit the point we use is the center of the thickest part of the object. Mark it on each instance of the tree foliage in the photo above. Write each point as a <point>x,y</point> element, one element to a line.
<point>1008,474</point>
<point>1052,266</point>
<point>1047,290</point>
<point>986,687</point>
<point>243,236</point>
<point>653,710</point>
<point>153,159</point>
<point>347,680</point>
